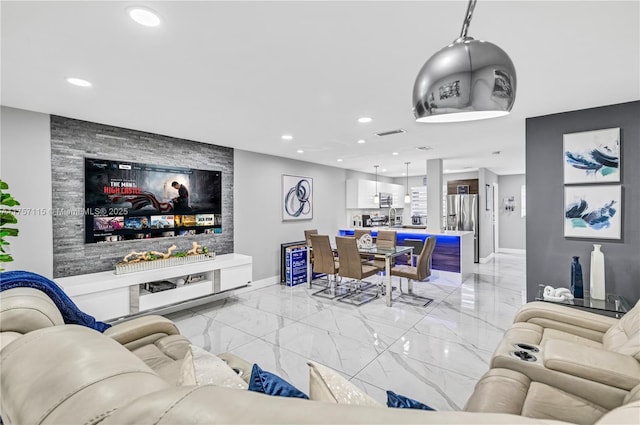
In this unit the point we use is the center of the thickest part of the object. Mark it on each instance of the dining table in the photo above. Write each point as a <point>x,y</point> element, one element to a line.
<point>373,250</point>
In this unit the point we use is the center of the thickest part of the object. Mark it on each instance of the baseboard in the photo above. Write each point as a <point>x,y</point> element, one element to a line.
<point>485,260</point>
<point>512,251</point>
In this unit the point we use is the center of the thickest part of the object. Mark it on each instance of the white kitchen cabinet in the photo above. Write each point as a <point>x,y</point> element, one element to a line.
<point>360,193</point>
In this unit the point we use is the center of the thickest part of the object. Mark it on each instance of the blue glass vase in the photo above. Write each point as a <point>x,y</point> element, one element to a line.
<point>576,278</point>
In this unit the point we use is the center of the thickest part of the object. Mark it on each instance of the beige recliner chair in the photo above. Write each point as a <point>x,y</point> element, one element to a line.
<point>537,322</point>
<point>507,391</point>
<point>88,378</point>
<point>557,359</point>
<point>154,339</point>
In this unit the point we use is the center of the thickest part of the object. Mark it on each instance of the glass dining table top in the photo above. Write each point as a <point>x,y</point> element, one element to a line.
<point>392,252</point>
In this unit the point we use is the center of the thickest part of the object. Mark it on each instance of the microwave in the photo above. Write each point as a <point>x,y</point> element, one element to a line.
<point>386,200</point>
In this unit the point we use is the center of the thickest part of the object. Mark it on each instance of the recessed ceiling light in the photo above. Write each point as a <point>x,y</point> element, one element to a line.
<point>300,151</point>
<point>364,120</point>
<point>404,174</point>
<point>362,141</point>
<point>339,159</point>
<point>144,16</point>
<point>395,153</point>
<point>424,148</point>
<point>384,169</point>
<point>78,82</point>
<point>496,152</point>
<point>287,137</point>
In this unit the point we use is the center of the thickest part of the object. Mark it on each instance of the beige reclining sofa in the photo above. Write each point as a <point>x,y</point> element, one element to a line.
<point>52,373</point>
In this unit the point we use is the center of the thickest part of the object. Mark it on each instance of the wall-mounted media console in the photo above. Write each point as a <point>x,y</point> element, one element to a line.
<point>107,295</point>
<point>128,200</point>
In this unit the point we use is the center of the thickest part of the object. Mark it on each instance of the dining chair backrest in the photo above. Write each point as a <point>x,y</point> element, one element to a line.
<point>416,244</point>
<point>423,268</point>
<point>308,233</point>
<point>359,232</point>
<point>350,261</point>
<point>324,262</point>
<point>386,239</point>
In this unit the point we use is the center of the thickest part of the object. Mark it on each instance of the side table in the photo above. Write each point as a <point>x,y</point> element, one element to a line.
<point>614,305</point>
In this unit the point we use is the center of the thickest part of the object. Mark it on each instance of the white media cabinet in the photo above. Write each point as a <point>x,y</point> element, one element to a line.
<point>107,295</point>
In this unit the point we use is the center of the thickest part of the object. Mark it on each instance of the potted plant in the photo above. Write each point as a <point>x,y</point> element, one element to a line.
<point>6,217</point>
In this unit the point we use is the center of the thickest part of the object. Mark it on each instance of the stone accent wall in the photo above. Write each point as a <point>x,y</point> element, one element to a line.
<point>73,140</point>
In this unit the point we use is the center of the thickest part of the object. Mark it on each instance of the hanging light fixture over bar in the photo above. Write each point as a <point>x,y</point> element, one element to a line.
<point>376,197</point>
<point>407,197</point>
<point>467,80</point>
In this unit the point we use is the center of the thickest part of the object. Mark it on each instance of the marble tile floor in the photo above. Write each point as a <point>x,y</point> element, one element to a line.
<point>434,354</point>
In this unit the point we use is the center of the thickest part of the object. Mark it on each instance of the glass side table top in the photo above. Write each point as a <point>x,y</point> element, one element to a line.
<point>612,303</point>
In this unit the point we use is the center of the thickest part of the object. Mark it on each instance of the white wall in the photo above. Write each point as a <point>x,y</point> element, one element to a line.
<point>512,224</point>
<point>25,164</point>
<point>485,177</point>
<point>258,226</point>
<point>460,176</point>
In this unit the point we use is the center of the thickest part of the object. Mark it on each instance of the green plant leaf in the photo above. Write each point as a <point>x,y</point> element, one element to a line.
<point>8,200</point>
<point>3,185</point>
<point>5,258</point>
<point>6,218</point>
<point>7,231</point>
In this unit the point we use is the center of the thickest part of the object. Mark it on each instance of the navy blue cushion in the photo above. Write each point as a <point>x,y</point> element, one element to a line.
<point>270,384</point>
<point>397,400</point>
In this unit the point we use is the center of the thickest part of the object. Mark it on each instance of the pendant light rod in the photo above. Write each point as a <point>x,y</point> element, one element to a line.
<point>376,196</point>
<point>376,167</point>
<point>467,19</point>
<point>407,197</point>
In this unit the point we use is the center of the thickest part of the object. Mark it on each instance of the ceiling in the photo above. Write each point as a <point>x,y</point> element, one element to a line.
<point>242,74</point>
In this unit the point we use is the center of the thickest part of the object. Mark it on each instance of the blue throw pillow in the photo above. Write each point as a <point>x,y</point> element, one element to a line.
<point>397,400</point>
<point>270,384</point>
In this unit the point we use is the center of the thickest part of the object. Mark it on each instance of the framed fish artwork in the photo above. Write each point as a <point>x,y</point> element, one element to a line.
<point>592,156</point>
<point>593,211</point>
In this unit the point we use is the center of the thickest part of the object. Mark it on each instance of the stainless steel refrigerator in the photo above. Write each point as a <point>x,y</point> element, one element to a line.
<point>462,214</point>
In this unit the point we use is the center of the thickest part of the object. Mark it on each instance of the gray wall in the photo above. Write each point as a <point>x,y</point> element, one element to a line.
<point>548,252</point>
<point>72,140</point>
<point>259,229</point>
<point>25,164</point>
<point>512,225</point>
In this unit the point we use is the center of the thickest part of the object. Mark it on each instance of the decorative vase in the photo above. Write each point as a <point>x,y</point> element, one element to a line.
<point>596,279</point>
<point>576,278</point>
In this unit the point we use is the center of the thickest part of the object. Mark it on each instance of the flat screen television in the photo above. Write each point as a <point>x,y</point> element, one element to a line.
<point>128,200</point>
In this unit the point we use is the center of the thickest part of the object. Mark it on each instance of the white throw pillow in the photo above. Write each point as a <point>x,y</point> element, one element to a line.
<point>329,386</point>
<point>200,367</point>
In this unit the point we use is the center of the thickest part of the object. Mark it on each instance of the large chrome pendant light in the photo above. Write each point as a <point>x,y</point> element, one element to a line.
<point>376,197</point>
<point>467,80</point>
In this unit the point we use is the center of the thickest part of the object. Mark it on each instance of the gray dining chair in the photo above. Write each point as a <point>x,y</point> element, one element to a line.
<point>419,272</point>
<point>351,267</point>
<point>326,263</point>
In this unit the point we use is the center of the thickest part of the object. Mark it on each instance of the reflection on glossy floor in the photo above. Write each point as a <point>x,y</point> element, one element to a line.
<point>434,354</point>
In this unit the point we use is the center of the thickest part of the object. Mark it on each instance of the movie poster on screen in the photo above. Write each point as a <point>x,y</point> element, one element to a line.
<point>137,201</point>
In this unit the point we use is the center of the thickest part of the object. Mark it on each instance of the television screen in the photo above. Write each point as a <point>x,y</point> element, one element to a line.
<point>128,200</point>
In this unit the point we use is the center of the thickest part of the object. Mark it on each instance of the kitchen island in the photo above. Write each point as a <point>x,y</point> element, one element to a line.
<point>452,256</point>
